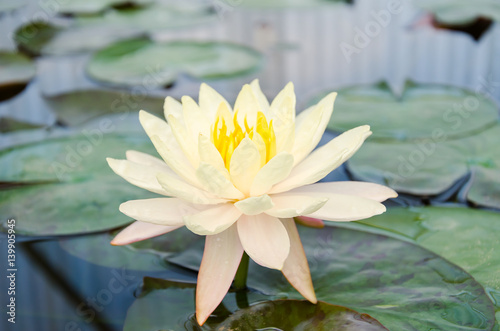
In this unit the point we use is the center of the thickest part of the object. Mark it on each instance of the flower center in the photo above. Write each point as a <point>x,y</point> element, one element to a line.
<point>227,134</point>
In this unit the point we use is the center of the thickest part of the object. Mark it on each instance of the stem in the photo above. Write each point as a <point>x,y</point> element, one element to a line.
<point>240,279</point>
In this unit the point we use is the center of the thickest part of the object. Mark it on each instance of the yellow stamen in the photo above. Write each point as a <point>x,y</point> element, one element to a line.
<point>226,139</point>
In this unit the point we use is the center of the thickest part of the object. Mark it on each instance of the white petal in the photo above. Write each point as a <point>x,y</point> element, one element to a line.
<point>345,208</point>
<point>185,140</point>
<point>247,106</point>
<point>162,211</point>
<point>220,262</point>
<point>176,160</point>
<point>210,100</point>
<point>209,154</point>
<point>291,205</point>
<point>153,125</point>
<point>216,183</point>
<point>261,98</point>
<point>176,187</point>
<point>276,170</point>
<point>213,220</point>
<point>255,205</point>
<point>311,125</point>
<point>174,108</point>
<point>360,189</point>
<point>197,120</point>
<point>142,176</point>
<point>138,231</point>
<point>244,165</point>
<point>265,240</point>
<point>145,159</point>
<point>296,269</point>
<point>282,110</point>
<point>325,159</point>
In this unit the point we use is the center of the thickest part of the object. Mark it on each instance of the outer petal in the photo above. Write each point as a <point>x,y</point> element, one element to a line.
<point>213,220</point>
<point>276,170</point>
<point>145,159</point>
<point>162,211</point>
<point>153,125</point>
<point>255,205</point>
<point>247,106</point>
<point>139,175</point>
<point>345,208</point>
<point>174,108</point>
<point>220,262</point>
<point>244,165</point>
<point>325,159</point>
<point>296,270</point>
<point>138,231</point>
<point>210,100</point>
<point>179,189</point>
<point>292,205</point>
<point>265,240</point>
<point>263,102</point>
<point>215,182</point>
<point>370,191</point>
<point>311,125</point>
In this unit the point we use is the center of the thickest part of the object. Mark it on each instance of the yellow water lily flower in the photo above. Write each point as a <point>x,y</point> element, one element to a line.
<point>239,177</point>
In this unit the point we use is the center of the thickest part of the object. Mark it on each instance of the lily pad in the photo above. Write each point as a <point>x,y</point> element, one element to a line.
<point>170,305</point>
<point>93,33</point>
<point>464,236</point>
<point>431,166</point>
<point>403,286</point>
<point>419,111</point>
<point>16,71</point>
<point>147,255</point>
<point>459,12</point>
<point>297,315</point>
<point>77,107</point>
<point>64,186</point>
<point>8,124</point>
<point>42,38</point>
<point>87,7</point>
<point>143,62</point>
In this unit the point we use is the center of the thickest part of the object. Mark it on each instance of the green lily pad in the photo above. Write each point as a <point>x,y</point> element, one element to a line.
<point>87,7</point>
<point>421,111</point>
<point>77,107</point>
<point>403,286</point>
<point>144,62</point>
<point>93,33</point>
<point>42,38</point>
<point>464,236</point>
<point>64,186</point>
<point>146,255</point>
<point>8,124</point>
<point>431,166</point>
<point>16,71</point>
<point>297,315</point>
<point>170,305</point>
<point>458,12</point>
